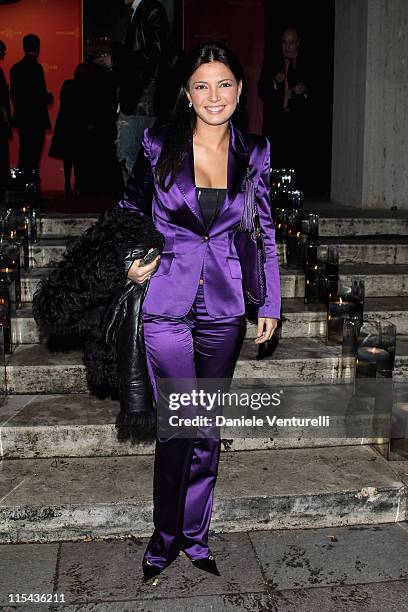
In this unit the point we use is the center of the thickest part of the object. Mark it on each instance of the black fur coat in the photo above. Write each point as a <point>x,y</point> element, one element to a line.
<point>89,302</point>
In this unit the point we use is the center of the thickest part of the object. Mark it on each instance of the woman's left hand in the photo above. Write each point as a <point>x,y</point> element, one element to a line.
<point>266,327</point>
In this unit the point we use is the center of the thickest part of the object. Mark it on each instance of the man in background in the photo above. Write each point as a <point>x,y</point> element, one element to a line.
<point>30,101</point>
<point>5,125</point>
<point>283,87</point>
<point>136,64</point>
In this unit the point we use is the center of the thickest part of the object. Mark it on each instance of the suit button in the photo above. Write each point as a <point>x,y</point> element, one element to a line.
<point>206,238</point>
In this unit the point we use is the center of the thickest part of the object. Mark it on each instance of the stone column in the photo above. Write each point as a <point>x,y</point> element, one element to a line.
<point>370,111</point>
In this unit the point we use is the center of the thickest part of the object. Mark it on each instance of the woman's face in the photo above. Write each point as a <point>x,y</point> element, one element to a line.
<point>213,90</point>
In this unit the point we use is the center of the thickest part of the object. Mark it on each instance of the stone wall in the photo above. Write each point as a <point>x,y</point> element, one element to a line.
<point>370,114</point>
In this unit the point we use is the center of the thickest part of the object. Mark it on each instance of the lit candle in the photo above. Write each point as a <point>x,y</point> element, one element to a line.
<point>338,308</point>
<point>312,273</point>
<point>341,307</point>
<point>292,242</point>
<point>5,314</point>
<point>371,359</point>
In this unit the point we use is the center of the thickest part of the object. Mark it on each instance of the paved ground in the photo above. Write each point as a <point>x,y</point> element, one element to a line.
<point>347,569</point>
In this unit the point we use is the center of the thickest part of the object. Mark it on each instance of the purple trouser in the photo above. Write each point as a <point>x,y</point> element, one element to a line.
<point>185,470</point>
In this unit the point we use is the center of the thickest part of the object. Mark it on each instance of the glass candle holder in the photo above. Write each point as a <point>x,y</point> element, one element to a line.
<point>5,316</point>
<point>329,280</point>
<point>3,380</point>
<point>338,308</point>
<point>290,235</point>
<point>292,247</point>
<point>280,221</point>
<point>375,355</point>
<point>282,178</point>
<point>308,248</point>
<point>296,199</point>
<point>22,187</point>
<point>312,281</point>
<point>17,227</point>
<point>310,227</point>
<point>307,252</point>
<point>354,292</point>
<point>398,444</point>
<point>10,269</point>
<point>332,259</point>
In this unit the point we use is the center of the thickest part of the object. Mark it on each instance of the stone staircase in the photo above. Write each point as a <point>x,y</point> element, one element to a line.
<point>65,476</point>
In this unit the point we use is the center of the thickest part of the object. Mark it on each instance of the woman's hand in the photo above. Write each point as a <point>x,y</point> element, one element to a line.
<point>266,327</point>
<point>139,274</point>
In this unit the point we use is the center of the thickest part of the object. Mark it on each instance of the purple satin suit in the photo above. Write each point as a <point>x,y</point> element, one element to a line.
<point>192,330</point>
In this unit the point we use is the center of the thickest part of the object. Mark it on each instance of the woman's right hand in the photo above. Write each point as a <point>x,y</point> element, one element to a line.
<point>139,274</point>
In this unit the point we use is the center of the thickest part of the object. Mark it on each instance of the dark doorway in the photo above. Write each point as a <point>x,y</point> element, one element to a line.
<point>315,24</point>
<point>102,22</point>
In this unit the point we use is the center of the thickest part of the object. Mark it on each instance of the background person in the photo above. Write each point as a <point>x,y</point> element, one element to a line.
<point>5,125</point>
<point>283,87</point>
<point>30,101</point>
<point>136,65</point>
<point>65,139</point>
<point>84,133</point>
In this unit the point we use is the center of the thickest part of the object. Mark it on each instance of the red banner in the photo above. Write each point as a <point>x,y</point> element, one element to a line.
<point>59,25</point>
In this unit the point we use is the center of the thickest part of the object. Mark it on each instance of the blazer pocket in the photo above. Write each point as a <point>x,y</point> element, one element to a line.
<point>235,267</point>
<point>165,263</point>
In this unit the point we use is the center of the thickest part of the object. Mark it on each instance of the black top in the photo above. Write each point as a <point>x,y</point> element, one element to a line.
<point>210,199</point>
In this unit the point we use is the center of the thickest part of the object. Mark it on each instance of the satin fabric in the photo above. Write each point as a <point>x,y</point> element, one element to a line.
<point>185,470</point>
<point>190,249</point>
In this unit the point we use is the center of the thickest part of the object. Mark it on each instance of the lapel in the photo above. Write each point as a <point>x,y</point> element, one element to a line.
<point>238,160</point>
<point>185,180</point>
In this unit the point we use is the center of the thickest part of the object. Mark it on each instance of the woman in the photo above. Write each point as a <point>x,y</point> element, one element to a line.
<point>193,308</point>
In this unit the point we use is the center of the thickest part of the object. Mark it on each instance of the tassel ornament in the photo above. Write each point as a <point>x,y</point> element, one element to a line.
<point>247,219</point>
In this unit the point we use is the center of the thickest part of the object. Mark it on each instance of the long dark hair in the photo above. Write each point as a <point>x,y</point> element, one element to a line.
<point>183,118</point>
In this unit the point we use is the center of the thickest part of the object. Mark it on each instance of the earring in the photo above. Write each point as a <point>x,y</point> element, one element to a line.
<point>190,104</point>
<point>238,100</point>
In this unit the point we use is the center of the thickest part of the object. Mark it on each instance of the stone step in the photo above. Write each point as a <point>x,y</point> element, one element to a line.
<point>30,281</point>
<point>344,223</point>
<point>64,225</point>
<point>24,328</point>
<point>46,500</point>
<point>338,220</point>
<point>79,425</point>
<point>386,280</point>
<point>300,320</point>
<point>385,250</point>
<point>33,369</point>
<point>380,280</point>
<point>292,282</point>
<point>368,250</point>
<point>47,253</point>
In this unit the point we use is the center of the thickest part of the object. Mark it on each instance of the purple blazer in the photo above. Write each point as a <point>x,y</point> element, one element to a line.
<point>190,251</point>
